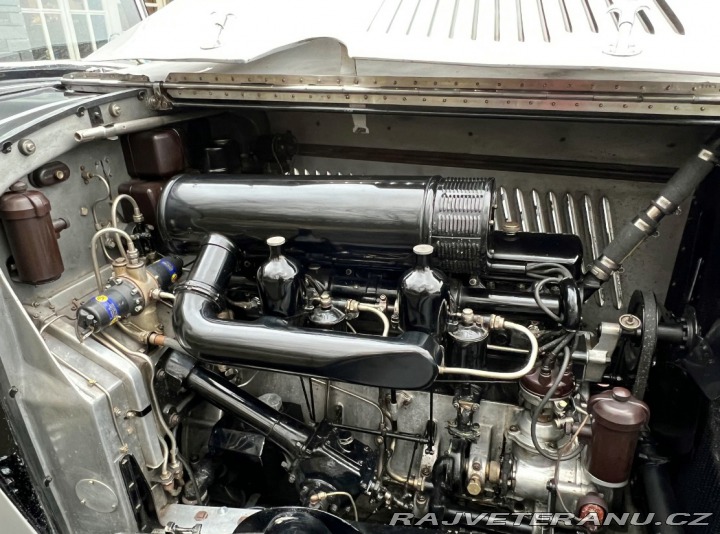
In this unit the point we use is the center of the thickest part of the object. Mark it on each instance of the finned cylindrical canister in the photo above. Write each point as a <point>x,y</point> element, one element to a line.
<point>423,295</point>
<point>31,235</point>
<point>618,418</point>
<point>279,282</point>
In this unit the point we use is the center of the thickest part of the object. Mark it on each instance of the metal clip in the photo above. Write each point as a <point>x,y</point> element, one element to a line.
<point>627,10</point>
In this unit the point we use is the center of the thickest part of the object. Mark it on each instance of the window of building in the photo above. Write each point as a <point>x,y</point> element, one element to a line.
<point>61,29</point>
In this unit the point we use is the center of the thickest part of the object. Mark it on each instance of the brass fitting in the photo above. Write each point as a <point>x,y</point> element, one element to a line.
<point>474,486</point>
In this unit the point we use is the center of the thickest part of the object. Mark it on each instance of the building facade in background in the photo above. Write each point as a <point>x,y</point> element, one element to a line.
<point>33,30</point>
<point>153,5</point>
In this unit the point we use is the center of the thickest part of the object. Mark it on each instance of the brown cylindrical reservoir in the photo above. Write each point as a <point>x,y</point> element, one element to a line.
<point>31,235</point>
<point>618,418</point>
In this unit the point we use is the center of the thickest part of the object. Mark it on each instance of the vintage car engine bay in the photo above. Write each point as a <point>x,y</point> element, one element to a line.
<point>236,318</point>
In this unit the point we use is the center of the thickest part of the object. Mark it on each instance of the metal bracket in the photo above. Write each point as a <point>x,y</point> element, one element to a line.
<point>359,121</point>
<point>96,116</point>
<point>599,356</point>
<point>627,11</point>
<point>157,101</point>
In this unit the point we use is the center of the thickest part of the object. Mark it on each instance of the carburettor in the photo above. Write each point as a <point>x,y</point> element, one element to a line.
<point>499,457</point>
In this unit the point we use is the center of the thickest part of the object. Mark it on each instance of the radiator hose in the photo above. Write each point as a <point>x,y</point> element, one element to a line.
<point>676,191</point>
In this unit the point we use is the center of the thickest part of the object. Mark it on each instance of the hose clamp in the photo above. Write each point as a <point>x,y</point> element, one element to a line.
<point>707,155</point>
<point>603,267</point>
<point>598,272</point>
<point>664,205</point>
<point>199,288</point>
<point>644,227</point>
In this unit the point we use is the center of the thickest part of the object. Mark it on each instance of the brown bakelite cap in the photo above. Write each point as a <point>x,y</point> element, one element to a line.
<point>539,384</point>
<point>23,205</point>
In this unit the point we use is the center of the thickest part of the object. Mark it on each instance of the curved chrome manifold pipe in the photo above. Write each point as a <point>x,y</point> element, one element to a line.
<point>405,362</point>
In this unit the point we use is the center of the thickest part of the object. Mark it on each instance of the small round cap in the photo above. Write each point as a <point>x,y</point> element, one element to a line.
<point>276,241</point>
<point>621,394</point>
<point>468,316</point>
<point>19,187</point>
<point>512,227</point>
<point>423,250</point>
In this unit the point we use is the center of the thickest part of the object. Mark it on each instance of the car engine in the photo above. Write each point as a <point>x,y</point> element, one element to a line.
<point>254,337</point>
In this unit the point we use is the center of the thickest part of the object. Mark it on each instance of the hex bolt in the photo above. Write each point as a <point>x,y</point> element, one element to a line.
<point>474,486</point>
<point>26,147</point>
<point>13,392</point>
<point>115,110</point>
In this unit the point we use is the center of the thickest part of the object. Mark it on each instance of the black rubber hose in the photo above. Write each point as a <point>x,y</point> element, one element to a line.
<point>193,479</point>
<point>680,187</point>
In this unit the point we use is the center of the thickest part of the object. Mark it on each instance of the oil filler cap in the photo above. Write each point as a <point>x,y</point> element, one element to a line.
<point>423,250</point>
<point>621,394</point>
<point>19,187</point>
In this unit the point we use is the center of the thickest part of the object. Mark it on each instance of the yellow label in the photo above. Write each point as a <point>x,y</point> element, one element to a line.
<point>173,277</point>
<point>101,298</point>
